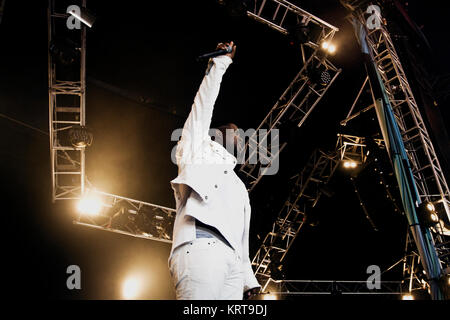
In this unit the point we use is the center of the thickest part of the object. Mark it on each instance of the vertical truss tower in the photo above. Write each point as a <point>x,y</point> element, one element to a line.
<point>67,100</point>
<point>428,175</point>
<point>67,118</point>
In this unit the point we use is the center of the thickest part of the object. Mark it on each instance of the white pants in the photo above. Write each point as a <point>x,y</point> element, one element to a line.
<point>206,269</point>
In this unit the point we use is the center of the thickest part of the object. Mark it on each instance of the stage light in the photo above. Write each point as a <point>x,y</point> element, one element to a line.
<point>431,207</point>
<point>434,217</point>
<point>407,297</point>
<point>325,77</point>
<point>320,75</point>
<point>82,14</point>
<point>329,47</point>
<point>80,136</point>
<point>427,214</point>
<point>90,205</point>
<point>64,51</point>
<point>349,164</point>
<point>131,288</point>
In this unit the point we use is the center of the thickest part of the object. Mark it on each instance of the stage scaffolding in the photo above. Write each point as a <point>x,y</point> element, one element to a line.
<point>67,110</point>
<point>304,92</point>
<point>67,101</point>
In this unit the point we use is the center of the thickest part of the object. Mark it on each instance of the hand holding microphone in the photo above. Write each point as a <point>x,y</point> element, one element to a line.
<point>228,49</point>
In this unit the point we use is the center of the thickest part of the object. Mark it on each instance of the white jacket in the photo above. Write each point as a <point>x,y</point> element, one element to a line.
<point>207,188</point>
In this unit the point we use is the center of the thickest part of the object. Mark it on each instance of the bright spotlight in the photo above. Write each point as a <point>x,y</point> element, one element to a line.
<point>90,205</point>
<point>80,136</point>
<point>349,164</point>
<point>434,217</point>
<point>427,214</point>
<point>331,48</point>
<point>407,297</point>
<point>327,46</point>
<point>430,207</point>
<point>131,288</point>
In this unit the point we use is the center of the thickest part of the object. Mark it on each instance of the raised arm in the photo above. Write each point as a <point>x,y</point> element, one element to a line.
<point>197,125</point>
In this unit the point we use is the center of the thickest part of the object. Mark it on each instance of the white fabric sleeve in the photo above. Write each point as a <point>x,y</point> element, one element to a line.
<point>196,127</point>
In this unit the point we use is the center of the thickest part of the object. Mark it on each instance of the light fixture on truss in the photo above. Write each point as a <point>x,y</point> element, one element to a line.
<point>427,214</point>
<point>64,50</point>
<point>80,136</point>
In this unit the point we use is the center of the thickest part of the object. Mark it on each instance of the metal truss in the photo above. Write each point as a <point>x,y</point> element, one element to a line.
<point>415,280</point>
<point>353,148</point>
<point>67,101</point>
<point>304,196</point>
<point>281,15</point>
<point>414,277</point>
<point>67,110</point>
<point>427,171</point>
<point>286,288</point>
<point>129,217</point>
<point>428,175</point>
<point>303,93</point>
<point>292,215</point>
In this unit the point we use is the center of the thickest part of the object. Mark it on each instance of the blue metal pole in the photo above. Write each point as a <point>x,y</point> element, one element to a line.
<point>399,159</point>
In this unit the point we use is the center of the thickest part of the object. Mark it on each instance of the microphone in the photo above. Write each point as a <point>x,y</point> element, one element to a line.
<point>215,53</point>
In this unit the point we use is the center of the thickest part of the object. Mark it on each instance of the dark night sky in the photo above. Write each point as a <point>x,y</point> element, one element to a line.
<point>149,48</point>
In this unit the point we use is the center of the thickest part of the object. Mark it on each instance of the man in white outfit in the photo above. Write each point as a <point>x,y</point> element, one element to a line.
<point>209,258</point>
